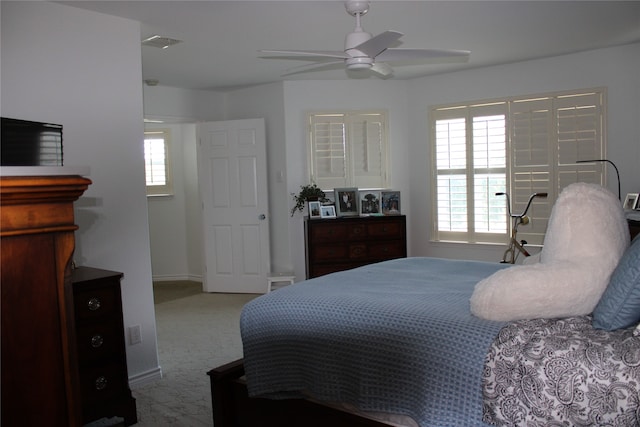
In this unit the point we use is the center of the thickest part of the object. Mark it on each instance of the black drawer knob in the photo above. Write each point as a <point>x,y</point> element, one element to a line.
<point>101,383</point>
<point>94,304</point>
<point>97,341</point>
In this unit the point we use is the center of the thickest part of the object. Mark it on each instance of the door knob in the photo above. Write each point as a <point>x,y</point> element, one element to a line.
<point>262,217</point>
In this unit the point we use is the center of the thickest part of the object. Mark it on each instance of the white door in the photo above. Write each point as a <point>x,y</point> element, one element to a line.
<point>232,175</point>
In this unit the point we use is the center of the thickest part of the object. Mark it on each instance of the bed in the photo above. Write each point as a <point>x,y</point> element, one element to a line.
<point>396,344</point>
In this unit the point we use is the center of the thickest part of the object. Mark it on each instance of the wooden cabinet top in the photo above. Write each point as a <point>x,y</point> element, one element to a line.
<point>38,204</point>
<point>88,274</point>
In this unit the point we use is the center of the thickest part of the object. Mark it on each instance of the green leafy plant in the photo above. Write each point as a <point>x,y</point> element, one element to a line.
<point>309,192</point>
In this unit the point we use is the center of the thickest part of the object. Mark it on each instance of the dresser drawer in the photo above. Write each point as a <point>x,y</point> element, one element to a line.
<point>329,231</point>
<point>103,382</point>
<point>98,340</point>
<point>96,302</point>
<point>329,252</point>
<point>386,230</point>
<point>387,250</point>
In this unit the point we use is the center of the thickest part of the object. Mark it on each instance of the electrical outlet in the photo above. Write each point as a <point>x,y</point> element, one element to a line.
<point>135,335</point>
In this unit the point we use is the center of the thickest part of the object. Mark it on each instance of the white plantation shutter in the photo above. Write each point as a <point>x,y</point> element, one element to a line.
<point>156,162</point>
<point>548,135</point>
<point>544,136</point>
<point>532,170</point>
<point>348,150</point>
<point>470,167</point>
<point>580,122</point>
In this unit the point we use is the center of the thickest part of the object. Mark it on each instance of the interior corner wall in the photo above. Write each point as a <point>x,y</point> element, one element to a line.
<point>267,102</point>
<point>57,66</point>
<point>615,68</point>
<point>179,218</point>
<point>303,96</point>
<point>168,214</point>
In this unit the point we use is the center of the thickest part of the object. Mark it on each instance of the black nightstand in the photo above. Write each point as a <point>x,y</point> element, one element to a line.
<point>104,381</point>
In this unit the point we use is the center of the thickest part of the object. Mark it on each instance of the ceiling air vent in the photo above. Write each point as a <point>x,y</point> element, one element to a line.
<point>159,41</point>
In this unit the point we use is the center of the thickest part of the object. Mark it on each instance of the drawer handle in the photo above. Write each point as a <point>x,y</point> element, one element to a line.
<point>101,383</point>
<point>97,341</point>
<point>94,304</point>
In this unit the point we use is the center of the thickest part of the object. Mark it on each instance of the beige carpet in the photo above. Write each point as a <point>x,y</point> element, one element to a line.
<point>196,332</point>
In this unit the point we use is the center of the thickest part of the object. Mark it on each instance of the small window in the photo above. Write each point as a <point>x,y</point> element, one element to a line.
<point>156,162</point>
<point>348,149</point>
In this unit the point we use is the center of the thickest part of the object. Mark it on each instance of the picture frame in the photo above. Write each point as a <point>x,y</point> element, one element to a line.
<point>370,202</point>
<point>314,209</point>
<point>631,201</point>
<point>328,211</point>
<point>390,202</point>
<point>346,201</point>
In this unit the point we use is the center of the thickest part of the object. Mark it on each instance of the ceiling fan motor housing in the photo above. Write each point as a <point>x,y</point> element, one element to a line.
<point>358,60</point>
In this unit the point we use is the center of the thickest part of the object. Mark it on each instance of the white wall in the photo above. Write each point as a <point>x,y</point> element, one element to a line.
<point>614,68</point>
<point>82,69</point>
<point>183,105</point>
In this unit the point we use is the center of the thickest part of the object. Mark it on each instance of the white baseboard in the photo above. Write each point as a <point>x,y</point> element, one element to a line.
<point>173,278</point>
<point>145,378</point>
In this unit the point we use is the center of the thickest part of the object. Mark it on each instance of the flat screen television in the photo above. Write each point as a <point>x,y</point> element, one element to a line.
<point>27,143</point>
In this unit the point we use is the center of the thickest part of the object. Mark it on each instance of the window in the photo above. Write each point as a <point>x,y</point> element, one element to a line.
<point>348,149</point>
<point>519,146</point>
<point>156,162</point>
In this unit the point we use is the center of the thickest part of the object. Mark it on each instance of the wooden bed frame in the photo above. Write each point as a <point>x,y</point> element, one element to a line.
<point>232,407</point>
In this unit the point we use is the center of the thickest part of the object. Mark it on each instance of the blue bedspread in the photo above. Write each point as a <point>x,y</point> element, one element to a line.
<point>394,337</point>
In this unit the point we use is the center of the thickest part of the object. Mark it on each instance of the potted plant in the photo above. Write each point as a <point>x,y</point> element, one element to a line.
<point>308,193</point>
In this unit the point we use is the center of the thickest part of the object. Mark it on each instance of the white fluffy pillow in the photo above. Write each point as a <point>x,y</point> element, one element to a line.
<point>586,236</point>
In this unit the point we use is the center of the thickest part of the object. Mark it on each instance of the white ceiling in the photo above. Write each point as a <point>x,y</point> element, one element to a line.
<point>221,39</point>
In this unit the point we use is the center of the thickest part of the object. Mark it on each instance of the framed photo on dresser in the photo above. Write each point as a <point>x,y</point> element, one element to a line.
<point>346,201</point>
<point>328,211</point>
<point>391,202</point>
<point>631,201</point>
<point>370,203</point>
<point>314,209</point>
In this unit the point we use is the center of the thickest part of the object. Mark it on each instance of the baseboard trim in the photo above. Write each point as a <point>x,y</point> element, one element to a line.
<point>144,378</point>
<point>174,278</point>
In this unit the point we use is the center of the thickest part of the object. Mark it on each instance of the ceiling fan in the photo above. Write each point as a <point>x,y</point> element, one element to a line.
<point>362,51</point>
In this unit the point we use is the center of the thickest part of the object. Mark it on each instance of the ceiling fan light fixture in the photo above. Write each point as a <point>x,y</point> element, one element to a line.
<point>359,63</point>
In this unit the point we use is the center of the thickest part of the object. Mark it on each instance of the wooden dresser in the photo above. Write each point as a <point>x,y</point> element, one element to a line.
<point>102,362</point>
<point>343,243</point>
<point>40,385</point>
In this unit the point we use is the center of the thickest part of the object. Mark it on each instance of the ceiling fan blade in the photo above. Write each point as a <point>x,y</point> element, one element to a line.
<point>375,45</point>
<point>413,54</point>
<point>322,53</point>
<point>306,68</point>
<point>383,69</point>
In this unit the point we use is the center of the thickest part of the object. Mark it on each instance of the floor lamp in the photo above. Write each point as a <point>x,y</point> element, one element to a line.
<point>612,164</point>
